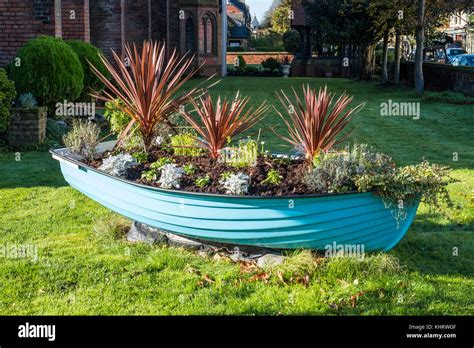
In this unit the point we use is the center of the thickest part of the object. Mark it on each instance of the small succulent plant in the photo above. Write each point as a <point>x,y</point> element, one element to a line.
<point>236,184</point>
<point>140,157</point>
<point>203,181</point>
<point>189,169</point>
<point>170,176</point>
<point>273,178</point>
<point>118,165</point>
<point>27,100</point>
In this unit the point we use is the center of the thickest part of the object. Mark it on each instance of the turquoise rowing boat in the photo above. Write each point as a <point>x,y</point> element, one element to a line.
<point>291,222</point>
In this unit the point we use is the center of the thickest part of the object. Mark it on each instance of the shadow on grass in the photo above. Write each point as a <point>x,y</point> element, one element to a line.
<point>29,169</point>
<point>437,253</point>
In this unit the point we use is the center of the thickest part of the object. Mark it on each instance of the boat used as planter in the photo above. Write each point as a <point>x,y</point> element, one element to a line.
<point>290,222</point>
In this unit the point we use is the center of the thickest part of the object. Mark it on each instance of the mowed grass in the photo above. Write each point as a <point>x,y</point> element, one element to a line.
<point>85,266</point>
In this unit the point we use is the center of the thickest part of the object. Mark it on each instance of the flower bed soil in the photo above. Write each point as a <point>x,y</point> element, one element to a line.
<point>292,172</point>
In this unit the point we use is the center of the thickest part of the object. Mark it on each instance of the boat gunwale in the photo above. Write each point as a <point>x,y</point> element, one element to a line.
<point>80,165</point>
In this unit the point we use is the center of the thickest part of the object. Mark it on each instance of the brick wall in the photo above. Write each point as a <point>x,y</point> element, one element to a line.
<point>75,19</point>
<point>105,25</point>
<point>441,77</point>
<point>136,21</point>
<point>27,126</point>
<point>21,20</point>
<point>255,58</point>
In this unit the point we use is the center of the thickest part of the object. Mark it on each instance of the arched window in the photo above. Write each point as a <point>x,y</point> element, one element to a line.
<point>190,36</point>
<point>207,37</point>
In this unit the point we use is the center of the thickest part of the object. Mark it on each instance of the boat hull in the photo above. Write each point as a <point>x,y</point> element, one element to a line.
<point>313,222</point>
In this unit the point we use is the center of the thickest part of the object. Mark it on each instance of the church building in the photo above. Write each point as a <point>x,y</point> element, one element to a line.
<point>187,25</point>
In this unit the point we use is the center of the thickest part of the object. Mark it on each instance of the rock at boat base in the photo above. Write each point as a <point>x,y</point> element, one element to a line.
<point>265,258</point>
<point>143,233</point>
<point>270,260</point>
<point>179,241</point>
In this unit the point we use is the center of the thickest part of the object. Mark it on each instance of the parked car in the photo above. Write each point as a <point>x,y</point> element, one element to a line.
<point>463,60</point>
<point>436,54</point>
<point>453,52</point>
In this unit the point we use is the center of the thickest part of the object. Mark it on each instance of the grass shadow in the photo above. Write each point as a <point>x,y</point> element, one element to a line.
<point>29,169</point>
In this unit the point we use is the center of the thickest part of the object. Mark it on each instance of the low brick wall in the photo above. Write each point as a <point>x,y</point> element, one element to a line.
<point>255,58</point>
<point>441,77</point>
<point>27,126</point>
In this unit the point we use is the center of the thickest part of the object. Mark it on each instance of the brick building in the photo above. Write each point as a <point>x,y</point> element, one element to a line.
<point>188,25</point>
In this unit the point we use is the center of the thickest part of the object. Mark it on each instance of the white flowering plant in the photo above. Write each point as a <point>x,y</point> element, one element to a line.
<point>235,184</point>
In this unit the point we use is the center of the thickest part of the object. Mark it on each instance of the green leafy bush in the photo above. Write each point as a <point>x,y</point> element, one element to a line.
<point>244,155</point>
<point>88,53</point>
<point>364,170</point>
<point>83,139</point>
<point>271,64</point>
<point>7,94</point>
<point>117,119</point>
<point>292,41</point>
<point>425,180</point>
<point>242,67</point>
<point>55,132</point>
<point>185,144</point>
<point>49,69</point>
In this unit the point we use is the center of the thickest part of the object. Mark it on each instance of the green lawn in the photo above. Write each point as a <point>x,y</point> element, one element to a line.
<point>86,267</point>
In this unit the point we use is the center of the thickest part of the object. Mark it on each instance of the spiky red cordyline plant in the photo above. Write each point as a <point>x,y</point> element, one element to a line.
<point>224,120</point>
<point>317,124</point>
<point>147,83</point>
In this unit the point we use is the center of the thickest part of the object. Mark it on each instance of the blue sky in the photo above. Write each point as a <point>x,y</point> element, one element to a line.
<point>258,7</point>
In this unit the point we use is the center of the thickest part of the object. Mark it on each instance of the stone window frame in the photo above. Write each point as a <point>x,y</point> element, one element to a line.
<point>203,21</point>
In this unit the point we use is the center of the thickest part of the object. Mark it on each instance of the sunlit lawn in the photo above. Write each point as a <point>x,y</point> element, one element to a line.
<point>85,265</point>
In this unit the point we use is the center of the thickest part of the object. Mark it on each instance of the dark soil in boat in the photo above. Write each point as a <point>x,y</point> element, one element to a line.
<point>292,172</point>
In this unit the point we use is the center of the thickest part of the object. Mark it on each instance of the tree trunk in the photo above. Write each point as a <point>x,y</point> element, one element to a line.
<point>367,62</point>
<point>396,68</point>
<point>420,39</point>
<point>385,58</point>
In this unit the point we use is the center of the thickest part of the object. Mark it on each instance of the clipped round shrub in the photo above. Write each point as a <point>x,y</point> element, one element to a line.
<point>271,64</point>
<point>89,53</point>
<point>7,94</point>
<point>292,41</point>
<point>49,69</point>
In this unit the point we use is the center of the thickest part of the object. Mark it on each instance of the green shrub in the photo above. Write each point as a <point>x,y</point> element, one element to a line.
<point>243,156</point>
<point>364,170</point>
<point>251,69</point>
<point>242,67</point>
<point>27,100</point>
<point>185,144</point>
<point>117,119</point>
<point>271,64</point>
<point>337,171</point>
<point>88,53</point>
<point>7,94</point>
<point>49,69</point>
<point>235,49</point>
<point>83,139</point>
<point>292,41</point>
<point>55,132</point>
